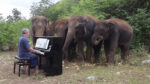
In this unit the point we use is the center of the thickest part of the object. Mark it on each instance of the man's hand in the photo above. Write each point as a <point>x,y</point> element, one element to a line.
<point>34,50</point>
<point>37,51</point>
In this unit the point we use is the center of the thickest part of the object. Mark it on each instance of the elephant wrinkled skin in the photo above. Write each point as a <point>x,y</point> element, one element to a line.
<point>115,33</point>
<point>40,27</point>
<point>80,28</point>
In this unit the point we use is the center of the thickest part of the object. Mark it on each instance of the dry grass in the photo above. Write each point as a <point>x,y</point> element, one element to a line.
<point>74,73</point>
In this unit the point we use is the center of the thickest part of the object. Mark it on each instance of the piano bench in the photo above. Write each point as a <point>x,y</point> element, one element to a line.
<point>22,62</point>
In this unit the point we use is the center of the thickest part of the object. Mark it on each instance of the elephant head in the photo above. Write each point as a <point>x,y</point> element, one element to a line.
<point>102,31</point>
<point>81,26</point>
<point>60,27</point>
<point>40,27</point>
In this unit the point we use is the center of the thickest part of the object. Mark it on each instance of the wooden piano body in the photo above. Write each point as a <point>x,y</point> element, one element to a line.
<point>51,61</point>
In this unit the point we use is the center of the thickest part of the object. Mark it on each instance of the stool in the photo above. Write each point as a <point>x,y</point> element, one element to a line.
<point>22,62</point>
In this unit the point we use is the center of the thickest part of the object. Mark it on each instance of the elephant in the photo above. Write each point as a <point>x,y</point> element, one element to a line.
<point>40,27</point>
<point>114,33</point>
<point>81,28</point>
<point>60,27</point>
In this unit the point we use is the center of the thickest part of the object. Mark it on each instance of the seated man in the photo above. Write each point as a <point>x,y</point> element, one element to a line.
<point>24,50</point>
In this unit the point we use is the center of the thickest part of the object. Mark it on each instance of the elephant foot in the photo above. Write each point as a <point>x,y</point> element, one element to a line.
<point>96,60</point>
<point>81,60</point>
<point>89,60</point>
<point>110,63</point>
<point>124,61</point>
<point>70,59</point>
<point>80,57</point>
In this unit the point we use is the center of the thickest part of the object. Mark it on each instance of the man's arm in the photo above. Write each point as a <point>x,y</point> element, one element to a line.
<point>27,46</point>
<point>34,50</point>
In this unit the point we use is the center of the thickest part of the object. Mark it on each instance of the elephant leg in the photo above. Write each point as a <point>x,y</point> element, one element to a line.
<point>65,55</point>
<point>124,52</point>
<point>89,52</point>
<point>68,40</point>
<point>72,51</point>
<point>106,49</point>
<point>97,50</point>
<point>80,51</point>
<point>110,48</point>
<point>69,57</point>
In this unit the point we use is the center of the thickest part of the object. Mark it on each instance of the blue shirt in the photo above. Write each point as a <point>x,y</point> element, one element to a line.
<point>23,46</point>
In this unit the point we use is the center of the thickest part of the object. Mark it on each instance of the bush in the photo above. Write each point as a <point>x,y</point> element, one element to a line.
<point>10,33</point>
<point>141,25</point>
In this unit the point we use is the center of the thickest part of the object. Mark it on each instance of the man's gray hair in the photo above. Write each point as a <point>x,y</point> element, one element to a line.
<point>25,30</point>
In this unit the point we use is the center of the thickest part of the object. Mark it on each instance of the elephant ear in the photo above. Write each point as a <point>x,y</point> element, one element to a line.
<point>109,25</point>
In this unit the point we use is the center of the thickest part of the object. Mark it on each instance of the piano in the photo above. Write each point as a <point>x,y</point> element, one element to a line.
<point>50,57</point>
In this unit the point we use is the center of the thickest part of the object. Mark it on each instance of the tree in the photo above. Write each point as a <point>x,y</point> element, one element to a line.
<point>15,17</point>
<point>16,14</point>
<point>1,18</point>
<point>9,18</point>
<point>38,8</point>
<point>136,12</point>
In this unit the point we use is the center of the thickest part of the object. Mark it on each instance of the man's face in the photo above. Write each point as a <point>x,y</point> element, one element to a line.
<point>27,34</point>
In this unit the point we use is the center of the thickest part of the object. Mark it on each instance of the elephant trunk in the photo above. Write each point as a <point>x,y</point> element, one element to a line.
<point>69,38</point>
<point>96,39</point>
<point>49,30</point>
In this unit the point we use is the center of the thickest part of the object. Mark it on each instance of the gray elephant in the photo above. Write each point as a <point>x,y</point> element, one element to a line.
<point>40,27</point>
<point>81,28</point>
<point>115,33</point>
<point>60,27</point>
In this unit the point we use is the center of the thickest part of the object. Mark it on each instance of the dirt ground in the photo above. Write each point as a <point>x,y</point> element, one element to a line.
<point>8,77</point>
<point>74,73</point>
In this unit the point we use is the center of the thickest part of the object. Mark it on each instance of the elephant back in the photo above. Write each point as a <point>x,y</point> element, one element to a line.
<point>90,23</point>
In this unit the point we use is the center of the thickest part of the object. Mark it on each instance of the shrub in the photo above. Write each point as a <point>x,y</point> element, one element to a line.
<point>10,33</point>
<point>141,25</point>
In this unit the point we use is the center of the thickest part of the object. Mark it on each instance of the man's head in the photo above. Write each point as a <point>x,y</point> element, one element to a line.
<point>25,31</point>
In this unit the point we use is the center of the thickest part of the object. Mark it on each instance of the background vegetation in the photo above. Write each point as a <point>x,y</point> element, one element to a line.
<point>136,12</point>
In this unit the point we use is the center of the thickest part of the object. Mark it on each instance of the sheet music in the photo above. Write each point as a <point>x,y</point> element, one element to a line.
<point>42,43</point>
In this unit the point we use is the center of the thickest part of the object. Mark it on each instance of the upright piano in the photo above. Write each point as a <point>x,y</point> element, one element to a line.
<point>50,58</point>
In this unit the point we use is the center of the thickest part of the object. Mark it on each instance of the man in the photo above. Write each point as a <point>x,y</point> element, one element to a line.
<point>24,50</point>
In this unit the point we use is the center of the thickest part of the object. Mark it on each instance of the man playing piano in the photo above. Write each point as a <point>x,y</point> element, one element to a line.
<point>24,50</point>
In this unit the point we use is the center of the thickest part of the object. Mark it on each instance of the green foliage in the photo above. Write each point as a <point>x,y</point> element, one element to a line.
<point>16,15</point>
<point>1,18</point>
<point>62,9</point>
<point>40,7</point>
<point>10,33</point>
<point>141,25</point>
<point>138,55</point>
<point>136,12</point>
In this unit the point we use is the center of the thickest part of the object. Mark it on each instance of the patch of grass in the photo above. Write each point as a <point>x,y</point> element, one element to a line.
<point>137,56</point>
<point>74,73</point>
<point>38,76</point>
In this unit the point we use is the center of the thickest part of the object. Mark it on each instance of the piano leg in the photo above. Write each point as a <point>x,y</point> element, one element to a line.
<point>40,61</point>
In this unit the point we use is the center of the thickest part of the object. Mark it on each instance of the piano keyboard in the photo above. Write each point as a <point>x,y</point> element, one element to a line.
<point>42,53</point>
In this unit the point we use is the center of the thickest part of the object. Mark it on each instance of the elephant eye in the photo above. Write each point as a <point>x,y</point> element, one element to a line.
<point>97,39</point>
